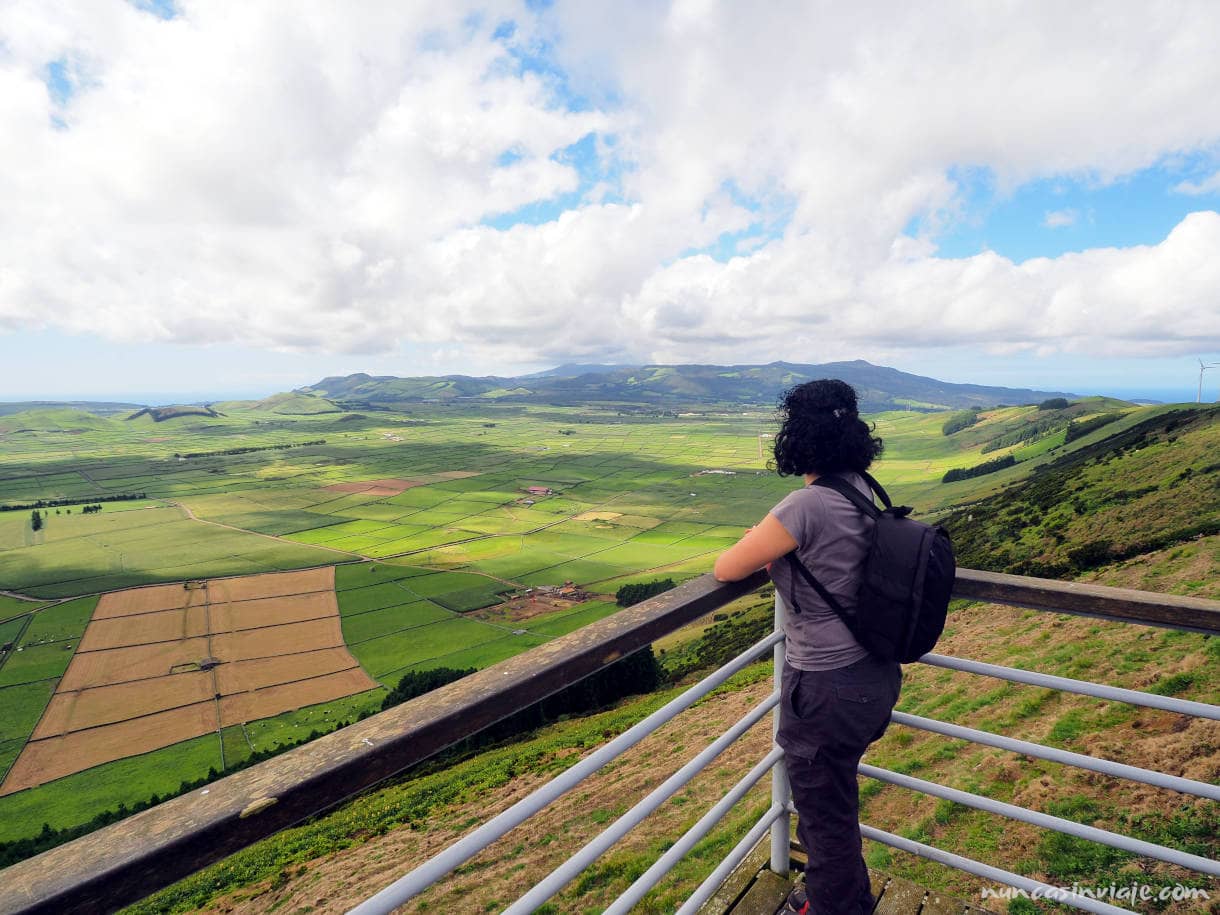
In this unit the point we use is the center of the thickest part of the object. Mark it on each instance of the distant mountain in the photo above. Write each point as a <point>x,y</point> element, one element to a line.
<point>575,370</point>
<point>101,408</point>
<point>673,386</point>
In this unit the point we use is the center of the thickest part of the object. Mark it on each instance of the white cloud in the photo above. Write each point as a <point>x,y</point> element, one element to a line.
<point>323,180</point>
<point>1196,188</point>
<point>1060,219</point>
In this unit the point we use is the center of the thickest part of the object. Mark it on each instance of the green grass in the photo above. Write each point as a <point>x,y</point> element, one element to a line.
<point>371,624</point>
<point>23,706</point>
<point>388,656</point>
<point>62,621</point>
<point>11,629</point>
<point>42,662</point>
<point>86,554</point>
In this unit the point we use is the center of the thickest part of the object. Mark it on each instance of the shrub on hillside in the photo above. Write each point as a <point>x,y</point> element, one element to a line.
<point>1053,403</point>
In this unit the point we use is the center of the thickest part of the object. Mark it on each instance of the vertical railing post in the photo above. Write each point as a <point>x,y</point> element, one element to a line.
<point>780,789</point>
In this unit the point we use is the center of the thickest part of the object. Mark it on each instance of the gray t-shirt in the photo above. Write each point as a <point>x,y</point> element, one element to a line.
<point>832,537</point>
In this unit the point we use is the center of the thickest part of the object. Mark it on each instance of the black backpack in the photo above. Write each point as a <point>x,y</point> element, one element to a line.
<point>907,579</point>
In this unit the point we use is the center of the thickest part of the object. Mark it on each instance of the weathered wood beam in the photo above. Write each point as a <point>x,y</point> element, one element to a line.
<point>1121,604</point>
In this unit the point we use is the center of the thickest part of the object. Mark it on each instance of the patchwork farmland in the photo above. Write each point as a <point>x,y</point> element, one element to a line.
<point>339,551</point>
<point>426,523</point>
<point>163,664</point>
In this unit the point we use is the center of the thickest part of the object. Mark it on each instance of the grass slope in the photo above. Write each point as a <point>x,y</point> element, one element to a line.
<point>1150,485</point>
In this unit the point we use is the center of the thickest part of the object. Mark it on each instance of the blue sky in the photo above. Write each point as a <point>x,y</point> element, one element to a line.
<point>211,204</point>
<point>1052,216</point>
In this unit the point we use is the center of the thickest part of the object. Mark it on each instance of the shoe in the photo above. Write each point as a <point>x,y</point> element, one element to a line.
<point>797,902</point>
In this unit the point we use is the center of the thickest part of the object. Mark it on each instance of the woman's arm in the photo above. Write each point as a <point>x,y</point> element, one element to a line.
<point>761,545</point>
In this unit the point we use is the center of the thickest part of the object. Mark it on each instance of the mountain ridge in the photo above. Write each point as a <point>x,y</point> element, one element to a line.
<point>879,387</point>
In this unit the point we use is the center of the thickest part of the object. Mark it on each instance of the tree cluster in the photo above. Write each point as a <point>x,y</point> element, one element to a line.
<point>55,503</point>
<point>249,450</point>
<point>966,473</point>
<point>629,595</point>
<point>36,521</point>
<point>1054,403</point>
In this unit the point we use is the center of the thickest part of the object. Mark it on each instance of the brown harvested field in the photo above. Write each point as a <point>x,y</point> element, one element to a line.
<point>91,708</point>
<point>270,584</point>
<point>145,628</point>
<point>145,600</point>
<point>272,700</point>
<point>277,640</point>
<point>273,611</point>
<point>45,760</point>
<point>272,644</point>
<point>242,676</point>
<point>137,662</point>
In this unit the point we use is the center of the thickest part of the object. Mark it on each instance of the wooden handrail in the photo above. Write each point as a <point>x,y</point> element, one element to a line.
<point>133,858</point>
<point>1124,605</point>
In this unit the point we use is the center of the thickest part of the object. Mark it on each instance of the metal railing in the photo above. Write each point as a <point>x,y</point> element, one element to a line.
<point>135,857</point>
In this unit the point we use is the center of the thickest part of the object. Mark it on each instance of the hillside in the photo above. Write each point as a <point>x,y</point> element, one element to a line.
<point>1149,485</point>
<point>102,408</point>
<point>879,387</point>
<point>53,419</point>
<point>294,404</point>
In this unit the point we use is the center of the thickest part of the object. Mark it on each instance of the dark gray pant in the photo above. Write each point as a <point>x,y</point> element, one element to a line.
<point>827,719</point>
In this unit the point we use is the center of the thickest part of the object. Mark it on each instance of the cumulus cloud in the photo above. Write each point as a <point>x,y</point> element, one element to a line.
<point>349,178</point>
<point>1060,219</point>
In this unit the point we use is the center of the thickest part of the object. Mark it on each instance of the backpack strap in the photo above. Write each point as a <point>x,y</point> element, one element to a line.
<point>858,499</point>
<point>800,568</point>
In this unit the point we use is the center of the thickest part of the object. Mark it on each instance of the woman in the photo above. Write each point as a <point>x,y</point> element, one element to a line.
<point>836,697</point>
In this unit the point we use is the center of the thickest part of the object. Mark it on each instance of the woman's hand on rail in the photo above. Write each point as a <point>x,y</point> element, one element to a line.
<point>758,548</point>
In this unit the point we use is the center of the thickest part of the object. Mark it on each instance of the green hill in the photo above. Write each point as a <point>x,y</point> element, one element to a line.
<point>1148,485</point>
<point>176,411</point>
<point>53,419</point>
<point>294,403</point>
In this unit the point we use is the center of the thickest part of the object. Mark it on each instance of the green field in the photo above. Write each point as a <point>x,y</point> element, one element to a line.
<point>628,503</point>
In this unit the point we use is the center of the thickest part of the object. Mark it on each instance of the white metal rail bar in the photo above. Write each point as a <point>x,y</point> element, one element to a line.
<point>1079,760</point>
<point>691,837</point>
<point>707,889</point>
<point>1082,687</point>
<point>970,866</point>
<point>1046,821</point>
<point>422,877</point>
<point>571,868</point>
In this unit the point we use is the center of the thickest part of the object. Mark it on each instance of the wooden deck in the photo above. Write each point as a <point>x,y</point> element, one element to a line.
<point>752,889</point>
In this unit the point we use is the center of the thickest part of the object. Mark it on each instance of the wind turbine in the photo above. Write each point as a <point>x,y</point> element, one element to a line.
<point>1203,367</point>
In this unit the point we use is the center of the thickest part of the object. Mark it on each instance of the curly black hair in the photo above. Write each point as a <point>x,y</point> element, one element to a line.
<point>821,431</point>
